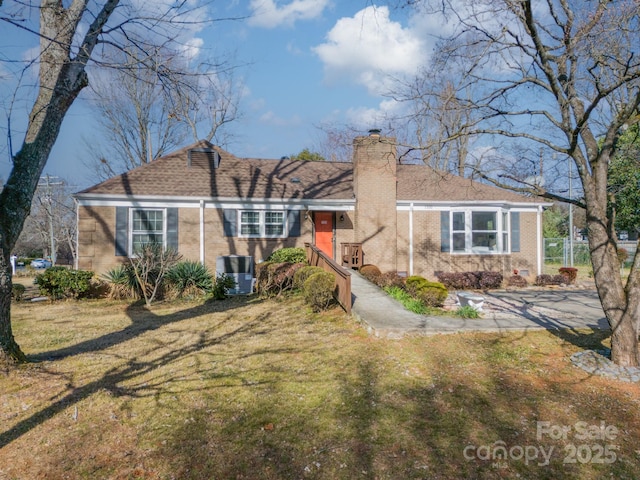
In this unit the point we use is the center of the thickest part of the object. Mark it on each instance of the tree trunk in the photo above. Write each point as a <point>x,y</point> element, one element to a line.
<point>9,350</point>
<point>620,306</point>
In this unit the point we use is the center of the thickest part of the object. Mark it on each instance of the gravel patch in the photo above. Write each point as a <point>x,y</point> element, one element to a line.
<point>598,362</point>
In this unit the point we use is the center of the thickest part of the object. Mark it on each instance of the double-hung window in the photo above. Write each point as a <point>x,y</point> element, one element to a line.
<point>477,231</point>
<point>147,228</point>
<point>262,224</point>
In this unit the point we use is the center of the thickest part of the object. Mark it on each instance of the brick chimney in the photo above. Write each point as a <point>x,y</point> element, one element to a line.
<point>375,185</point>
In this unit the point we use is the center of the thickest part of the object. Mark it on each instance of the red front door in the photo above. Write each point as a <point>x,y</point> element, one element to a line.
<point>324,232</point>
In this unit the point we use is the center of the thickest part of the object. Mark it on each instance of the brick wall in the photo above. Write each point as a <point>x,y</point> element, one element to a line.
<point>375,189</point>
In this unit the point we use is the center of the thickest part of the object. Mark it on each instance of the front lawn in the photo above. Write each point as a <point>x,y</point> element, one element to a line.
<point>265,389</point>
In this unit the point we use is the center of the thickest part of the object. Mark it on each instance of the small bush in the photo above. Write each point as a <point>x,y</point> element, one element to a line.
<point>302,274</point>
<point>517,281</point>
<point>545,280</point>
<point>482,280</point>
<point>289,255</point>
<point>189,278</point>
<point>570,274</point>
<point>318,290</point>
<point>222,285</point>
<point>489,280</point>
<point>467,312</point>
<point>458,280</point>
<point>390,279</point>
<point>432,294</point>
<point>60,282</point>
<point>122,284</point>
<point>17,291</point>
<point>370,272</point>
<point>410,303</point>
<point>623,255</point>
<point>275,278</point>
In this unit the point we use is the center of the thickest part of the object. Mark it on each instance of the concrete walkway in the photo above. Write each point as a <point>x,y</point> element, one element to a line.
<point>504,311</point>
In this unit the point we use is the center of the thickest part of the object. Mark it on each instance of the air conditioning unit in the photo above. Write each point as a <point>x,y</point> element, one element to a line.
<point>240,268</point>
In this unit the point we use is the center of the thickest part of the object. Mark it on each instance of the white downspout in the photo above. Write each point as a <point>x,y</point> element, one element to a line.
<point>411,239</point>
<point>539,239</point>
<point>202,232</point>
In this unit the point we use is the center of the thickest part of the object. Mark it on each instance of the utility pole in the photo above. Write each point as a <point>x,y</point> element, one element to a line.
<point>49,208</point>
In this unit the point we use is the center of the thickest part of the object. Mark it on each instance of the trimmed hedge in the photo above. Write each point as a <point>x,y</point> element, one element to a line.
<point>481,280</point>
<point>517,281</point>
<point>288,254</point>
<point>302,274</point>
<point>370,272</point>
<point>432,294</point>
<point>318,290</point>
<point>544,280</point>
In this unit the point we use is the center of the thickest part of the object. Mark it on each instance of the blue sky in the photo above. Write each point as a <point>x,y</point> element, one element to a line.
<point>308,62</point>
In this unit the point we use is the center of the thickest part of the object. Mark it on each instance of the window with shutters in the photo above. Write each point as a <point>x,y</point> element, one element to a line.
<point>262,224</point>
<point>147,227</point>
<point>477,231</point>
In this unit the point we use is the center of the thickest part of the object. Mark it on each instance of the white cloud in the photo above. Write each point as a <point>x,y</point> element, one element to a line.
<point>369,47</point>
<point>270,14</point>
<point>270,118</point>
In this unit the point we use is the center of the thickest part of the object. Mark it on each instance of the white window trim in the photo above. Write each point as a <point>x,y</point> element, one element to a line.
<point>500,230</point>
<point>262,223</point>
<point>132,231</point>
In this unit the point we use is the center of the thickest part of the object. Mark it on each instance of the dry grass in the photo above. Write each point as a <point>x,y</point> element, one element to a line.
<point>248,389</point>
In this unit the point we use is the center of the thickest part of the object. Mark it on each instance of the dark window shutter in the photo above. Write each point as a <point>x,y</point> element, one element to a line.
<point>122,231</point>
<point>445,229</point>
<point>294,223</point>
<point>515,231</point>
<point>230,221</point>
<point>172,228</point>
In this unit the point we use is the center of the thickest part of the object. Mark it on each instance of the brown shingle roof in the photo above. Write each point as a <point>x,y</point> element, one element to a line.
<point>284,179</point>
<point>422,183</point>
<point>234,178</point>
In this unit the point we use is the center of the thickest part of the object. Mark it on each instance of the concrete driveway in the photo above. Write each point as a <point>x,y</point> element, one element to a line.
<point>504,310</point>
<point>549,308</point>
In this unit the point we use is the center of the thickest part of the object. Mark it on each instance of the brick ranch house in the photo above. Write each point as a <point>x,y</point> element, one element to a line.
<point>207,203</point>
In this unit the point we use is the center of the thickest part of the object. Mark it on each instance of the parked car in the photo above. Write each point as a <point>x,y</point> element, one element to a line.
<point>40,263</point>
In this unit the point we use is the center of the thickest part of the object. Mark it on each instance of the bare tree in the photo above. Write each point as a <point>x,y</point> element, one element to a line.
<point>143,116</point>
<point>562,77</point>
<point>208,102</point>
<point>50,228</point>
<point>69,33</point>
<point>136,118</point>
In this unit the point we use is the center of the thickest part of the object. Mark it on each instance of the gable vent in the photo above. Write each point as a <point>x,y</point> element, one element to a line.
<point>203,158</point>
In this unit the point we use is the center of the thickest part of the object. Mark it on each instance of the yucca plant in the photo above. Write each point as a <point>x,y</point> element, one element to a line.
<point>189,278</point>
<point>122,283</point>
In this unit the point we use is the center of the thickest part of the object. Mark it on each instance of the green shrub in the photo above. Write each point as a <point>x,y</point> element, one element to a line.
<point>318,290</point>
<point>60,282</point>
<point>189,278</point>
<point>122,283</point>
<point>302,274</point>
<point>410,303</point>
<point>432,294</point>
<point>467,312</point>
<point>289,254</point>
<point>223,284</point>
<point>17,291</point>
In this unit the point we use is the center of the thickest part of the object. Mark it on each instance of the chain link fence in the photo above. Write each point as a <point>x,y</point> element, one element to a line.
<point>557,253</point>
